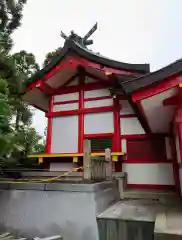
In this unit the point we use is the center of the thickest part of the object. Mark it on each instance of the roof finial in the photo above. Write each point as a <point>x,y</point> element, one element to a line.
<point>83,41</point>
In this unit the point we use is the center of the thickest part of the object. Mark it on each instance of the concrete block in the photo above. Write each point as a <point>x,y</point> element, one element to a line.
<point>168,223</point>
<point>68,187</point>
<point>27,186</point>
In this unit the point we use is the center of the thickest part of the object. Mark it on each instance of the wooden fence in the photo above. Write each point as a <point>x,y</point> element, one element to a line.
<point>96,168</point>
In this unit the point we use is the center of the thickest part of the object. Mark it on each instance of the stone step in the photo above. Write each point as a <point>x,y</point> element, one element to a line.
<point>168,223</point>
<point>163,196</point>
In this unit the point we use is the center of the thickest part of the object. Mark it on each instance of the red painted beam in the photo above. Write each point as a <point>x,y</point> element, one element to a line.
<point>80,111</point>
<point>171,101</point>
<point>155,89</point>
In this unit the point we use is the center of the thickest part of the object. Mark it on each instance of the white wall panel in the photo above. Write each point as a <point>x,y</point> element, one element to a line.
<point>98,123</point>
<point>158,115</point>
<point>131,126</point>
<point>66,97</point>
<point>65,107</point>
<point>125,107</point>
<point>99,103</point>
<point>177,148</point>
<point>123,145</point>
<point>96,93</point>
<point>154,173</point>
<point>64,134</point>
<point>54,167</point>
<point>180,177</point>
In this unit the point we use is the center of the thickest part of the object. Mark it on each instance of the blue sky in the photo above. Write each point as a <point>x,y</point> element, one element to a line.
<point>135,31</point>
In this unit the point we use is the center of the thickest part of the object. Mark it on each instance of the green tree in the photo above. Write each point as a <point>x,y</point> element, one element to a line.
<point>10,15</point>
<point>51,55</point>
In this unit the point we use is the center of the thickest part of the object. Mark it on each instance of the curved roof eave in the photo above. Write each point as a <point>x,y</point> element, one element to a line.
<point>73,46</point>
<point>147,80</point>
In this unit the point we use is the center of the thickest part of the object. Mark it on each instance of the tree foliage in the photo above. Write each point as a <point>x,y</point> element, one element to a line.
<point>17,137</point>
<point>49,57</point>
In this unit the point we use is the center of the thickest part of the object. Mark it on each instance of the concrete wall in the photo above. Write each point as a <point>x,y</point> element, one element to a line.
<point>49,209</point>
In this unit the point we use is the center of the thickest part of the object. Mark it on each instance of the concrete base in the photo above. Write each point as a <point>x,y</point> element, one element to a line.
<point>42,210</point>
<point>134,220</point>
<point>168,224</point>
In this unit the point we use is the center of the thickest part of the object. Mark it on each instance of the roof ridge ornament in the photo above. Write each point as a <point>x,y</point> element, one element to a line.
<point>82,41</point>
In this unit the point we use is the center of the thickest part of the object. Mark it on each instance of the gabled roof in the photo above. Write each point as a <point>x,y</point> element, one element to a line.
<point>73,47</point>
<point>148,80</point>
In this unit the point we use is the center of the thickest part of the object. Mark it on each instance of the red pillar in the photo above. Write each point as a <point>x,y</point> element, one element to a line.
<point>49,127</point>
<point>116,138</point>
<point>81,122</point>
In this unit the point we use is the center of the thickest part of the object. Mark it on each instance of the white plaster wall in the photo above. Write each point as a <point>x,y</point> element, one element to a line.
<point>159,116</point>
<point>180,177</point>
<point>177,148</point>
<point>99,103</point>
<point>131,126</point>
<point>66,97</point>
<point>123,145</point>
<point>125,107</point>
<point>54,167</point>
<point>154,173</point>
<point>96,93</point>
<point>98,123</point>
<point>65,134</point>
<point>65,107</point>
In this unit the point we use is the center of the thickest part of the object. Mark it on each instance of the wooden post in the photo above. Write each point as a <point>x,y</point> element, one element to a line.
<point>108,163</point>
<point>87,173</point>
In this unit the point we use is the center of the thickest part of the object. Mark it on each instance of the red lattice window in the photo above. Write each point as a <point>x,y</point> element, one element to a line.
<point>145,148</point>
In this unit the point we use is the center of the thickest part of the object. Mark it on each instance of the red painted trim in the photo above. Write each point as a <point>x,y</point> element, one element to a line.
<point>97,98</point>
<point>66,102</point>
<point>128,116</point>
<point>81,122</point>
<point>171,101</point>
<point>153,90</point>
<point>80,111</point>
<point>144,136</point>
<point>175,164</point>
<point>77,88</point>
<point>116,116</point>
<point>87,63</point>
<point>49,128</point>
<point>179,132</point>
<point>146,161</point>
<point>88,136</point>
<point>151,186</point>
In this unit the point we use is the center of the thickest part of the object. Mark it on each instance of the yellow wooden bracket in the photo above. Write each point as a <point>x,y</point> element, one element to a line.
<point>75,159</point>
<point>41,160</point>
<point>114,158</point>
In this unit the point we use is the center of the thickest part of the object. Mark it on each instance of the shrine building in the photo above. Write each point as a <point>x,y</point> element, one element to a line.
<point>122,106</point>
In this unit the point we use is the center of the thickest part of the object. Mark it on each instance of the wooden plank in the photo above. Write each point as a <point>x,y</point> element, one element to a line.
<point>72,154</point>
<point>87,174</point>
